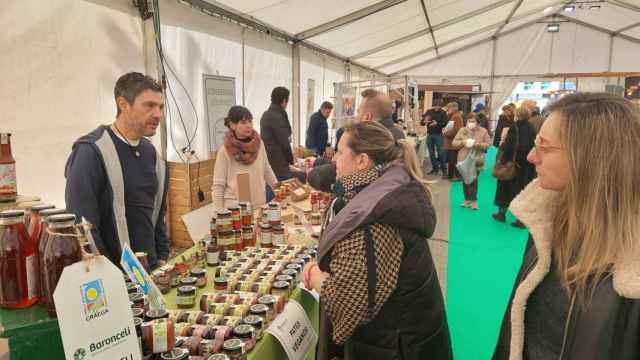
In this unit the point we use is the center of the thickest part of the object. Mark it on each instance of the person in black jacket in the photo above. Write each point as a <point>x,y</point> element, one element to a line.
<point>275,131</point>
<point>518,144</point>
<point>436,119</point>
<point>505,120</point>
<point>577,295</point>
<point>117,180</point>
<point>318,130</point>
<point>380,296</point>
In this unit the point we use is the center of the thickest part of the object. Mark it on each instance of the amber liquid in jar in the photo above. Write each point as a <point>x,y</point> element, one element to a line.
<point>18,260</point>
<point>42,244</point>
<point>63,249</point>
<point>8,185</point>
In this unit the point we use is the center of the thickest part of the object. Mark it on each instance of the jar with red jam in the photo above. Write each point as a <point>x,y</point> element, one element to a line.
<point>236,217</point>
<point>226,240</point>
<point>277,235</point>
<point>42,244</point>
<point>158,336</point>
<point>35,223</point>
<point>213,252</point>
<point>237,240</point>
<point>266,236</point>
<point>63,249</point>
<point>213,228</point>
<point>224,222</point>
<point>248,236</point>
<point>18,262</point>
<point>246,212</point>
<point>275,214</point>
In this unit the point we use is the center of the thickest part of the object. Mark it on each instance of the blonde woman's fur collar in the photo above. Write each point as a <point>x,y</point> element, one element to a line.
<point>535,208</point>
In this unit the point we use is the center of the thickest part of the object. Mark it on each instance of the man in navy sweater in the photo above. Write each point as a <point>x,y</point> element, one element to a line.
<point>318,130</point>
<point>118,181</point>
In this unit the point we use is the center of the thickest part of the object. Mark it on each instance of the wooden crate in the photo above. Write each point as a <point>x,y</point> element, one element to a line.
<point>184,182</point>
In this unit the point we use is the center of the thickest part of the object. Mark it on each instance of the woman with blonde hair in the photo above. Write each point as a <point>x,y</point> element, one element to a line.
<point>379,291</point>
<point>578,292</point>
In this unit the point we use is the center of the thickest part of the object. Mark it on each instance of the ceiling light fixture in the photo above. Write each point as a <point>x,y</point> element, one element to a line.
<point>569,8</point>
<point>553,28</point>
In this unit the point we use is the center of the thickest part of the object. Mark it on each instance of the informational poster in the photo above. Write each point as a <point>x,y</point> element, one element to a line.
<point>349,103</point>
<point>311,97</point>
<point>632,87</point>
<point>220,96</point>
<point>94,313</point>
<point>293,330</point>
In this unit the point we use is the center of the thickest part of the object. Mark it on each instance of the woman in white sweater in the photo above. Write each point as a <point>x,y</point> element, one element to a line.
<point>243,151</point>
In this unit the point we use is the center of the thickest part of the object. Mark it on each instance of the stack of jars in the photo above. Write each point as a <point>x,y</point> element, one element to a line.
<point>231,229</point>
<point>31,263</point>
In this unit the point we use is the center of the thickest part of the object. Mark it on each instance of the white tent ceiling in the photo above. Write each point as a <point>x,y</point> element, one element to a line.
<point>392,36</point>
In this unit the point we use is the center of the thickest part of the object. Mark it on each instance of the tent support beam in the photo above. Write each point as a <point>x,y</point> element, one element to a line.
<point>610,61</point>
<point>619,31</point>
<point>463,37</point>
<point>624,4</point>
<point>600,29</point>
<point>426,16</point>
<point>348,19</point>
<point>295,92</point>
<point>219,11</point>
<point>541,76</point>
<point>506,21</point>
<point>434,28</point>
<point>467,47</point>
<point>494,46</point>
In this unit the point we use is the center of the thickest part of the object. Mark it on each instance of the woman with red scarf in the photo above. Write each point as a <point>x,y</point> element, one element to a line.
<point>243,151</point>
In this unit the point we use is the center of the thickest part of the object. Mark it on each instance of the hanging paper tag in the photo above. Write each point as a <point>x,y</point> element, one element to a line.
<point>94,313</point>
<point>137,273</point>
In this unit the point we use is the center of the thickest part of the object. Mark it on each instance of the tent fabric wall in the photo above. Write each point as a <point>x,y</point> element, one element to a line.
<point>58,78</point>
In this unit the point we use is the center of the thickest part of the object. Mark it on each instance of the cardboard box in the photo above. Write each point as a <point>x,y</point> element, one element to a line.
<point>243,180</point>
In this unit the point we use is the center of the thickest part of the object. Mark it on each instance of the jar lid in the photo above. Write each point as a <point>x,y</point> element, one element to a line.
<point>259,308</point>
<point>61,218</point>
<point>190,280</point>
<point>273,205</point>
<point>278,227</point>
<point>294,266</point>
<point>222,280</point>
<point>219,357</point>
<point>38,208</point>
<point>49,212</point>
<point>280,285</point>
<point>10,214</point>
<point>243,204</point>
<point>254,320</point>
<point>198,272</point>
<point>136,297</point>
<point>265,226</point>
<point>247,228</point>
<point>187,289</point>
<point>224,213</point>
<point>157,314</point>
<point>244,330</point>
<point>286,277</point>
<point>225,233</point>
<point>137,312</point>
<point>233,345</point>
<point>175,354</point>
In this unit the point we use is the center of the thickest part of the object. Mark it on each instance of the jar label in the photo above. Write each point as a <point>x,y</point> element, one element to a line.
<point>277,239</point>
<point>213,258</point>
<point>160,337</point>
<point>274,215</point>
<point>265,238</point>
<point>8,183</point>
<point>186,300</point>
<point>32,275</point>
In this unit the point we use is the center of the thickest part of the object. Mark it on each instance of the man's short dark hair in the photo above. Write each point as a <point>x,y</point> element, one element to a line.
<point>326,106</point>
<point>279,94</point>
<point>378,103</point>
<point>130,85</point>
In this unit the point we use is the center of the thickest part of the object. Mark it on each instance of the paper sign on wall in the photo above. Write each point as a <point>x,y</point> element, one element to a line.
<point>94,313</point>
<point>293,330</point>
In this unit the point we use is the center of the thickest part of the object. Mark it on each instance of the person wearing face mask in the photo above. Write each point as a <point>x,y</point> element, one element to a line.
<point>243,152</point>
<point>475,137</point>
<point>117,180</point>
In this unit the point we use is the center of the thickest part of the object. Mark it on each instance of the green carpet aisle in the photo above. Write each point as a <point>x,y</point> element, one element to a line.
<point>484,257</point>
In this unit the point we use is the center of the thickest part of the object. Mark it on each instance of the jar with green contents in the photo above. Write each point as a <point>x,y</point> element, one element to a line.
<point>234,348</point>
<point>175,354</point>
<point>186,298</point>
<point>257,322</point>
<point>201,277</point>
<point>263,310</point>
<point>219,357</point>
<point>281,288</point>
